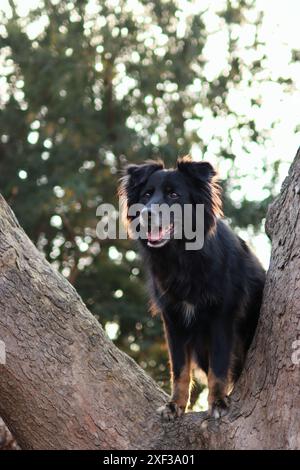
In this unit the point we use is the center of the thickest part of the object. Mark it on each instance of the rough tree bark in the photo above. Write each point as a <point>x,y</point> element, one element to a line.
<point>66,386</point>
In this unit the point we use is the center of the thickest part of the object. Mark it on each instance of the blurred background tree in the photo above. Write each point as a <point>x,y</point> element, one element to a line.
<point>87,85</point>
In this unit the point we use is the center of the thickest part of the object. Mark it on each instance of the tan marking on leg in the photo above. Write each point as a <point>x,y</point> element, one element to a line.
<point>181,386</point>
<point>217,389</point>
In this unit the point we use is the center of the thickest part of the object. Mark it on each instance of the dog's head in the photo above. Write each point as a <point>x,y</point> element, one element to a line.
<point>152,186</point>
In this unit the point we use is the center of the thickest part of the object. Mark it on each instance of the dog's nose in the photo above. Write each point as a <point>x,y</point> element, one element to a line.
<point>148,217</point>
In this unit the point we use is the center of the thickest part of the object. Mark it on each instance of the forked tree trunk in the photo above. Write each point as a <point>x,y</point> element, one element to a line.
<point>66,386</point>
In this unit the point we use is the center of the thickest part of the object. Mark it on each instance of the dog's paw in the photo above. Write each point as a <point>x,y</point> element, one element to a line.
<point>219,408</point>
<point>170,411</point>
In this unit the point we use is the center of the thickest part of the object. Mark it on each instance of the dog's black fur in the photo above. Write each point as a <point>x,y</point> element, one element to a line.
<point>210,298</point>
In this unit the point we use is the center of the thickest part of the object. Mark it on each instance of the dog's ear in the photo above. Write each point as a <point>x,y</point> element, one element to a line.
<point>202,171</point>
<point>138,174</point>
<point>204,188</point>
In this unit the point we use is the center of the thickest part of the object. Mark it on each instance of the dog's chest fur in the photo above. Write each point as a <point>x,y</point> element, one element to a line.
<point>188,311</point>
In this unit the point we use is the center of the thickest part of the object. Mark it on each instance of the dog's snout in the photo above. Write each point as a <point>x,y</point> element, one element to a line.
<point>149,217</point>
<point>146,212</point>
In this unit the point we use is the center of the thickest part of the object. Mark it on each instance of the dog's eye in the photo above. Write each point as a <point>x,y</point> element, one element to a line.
<point>173,195</point>
<point>147,194</point>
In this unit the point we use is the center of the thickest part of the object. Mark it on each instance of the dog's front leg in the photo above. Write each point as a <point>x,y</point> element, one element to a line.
<point>180,362</point>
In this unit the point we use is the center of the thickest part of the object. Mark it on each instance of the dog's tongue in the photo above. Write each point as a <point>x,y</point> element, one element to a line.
<point>155,235</point>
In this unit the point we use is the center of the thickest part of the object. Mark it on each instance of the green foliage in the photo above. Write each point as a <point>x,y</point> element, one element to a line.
<point>95,87</point>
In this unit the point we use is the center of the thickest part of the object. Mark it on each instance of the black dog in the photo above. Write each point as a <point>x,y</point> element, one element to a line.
<point>209,298</point>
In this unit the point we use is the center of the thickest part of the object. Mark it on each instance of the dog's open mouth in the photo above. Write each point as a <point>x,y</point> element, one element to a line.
<point>159,236</point>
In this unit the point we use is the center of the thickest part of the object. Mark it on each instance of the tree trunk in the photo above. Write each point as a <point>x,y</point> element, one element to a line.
<point>66,386</point>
